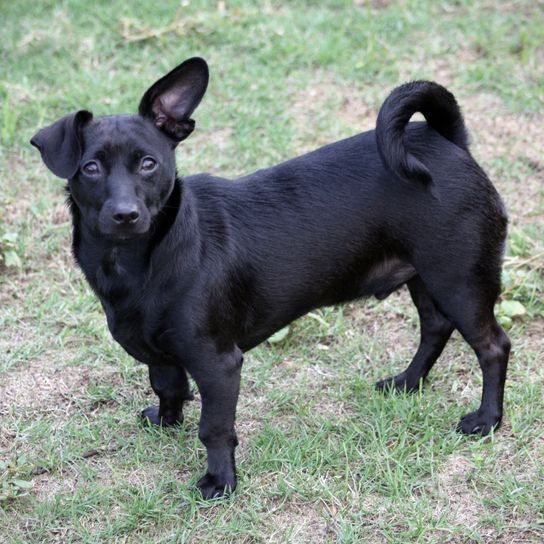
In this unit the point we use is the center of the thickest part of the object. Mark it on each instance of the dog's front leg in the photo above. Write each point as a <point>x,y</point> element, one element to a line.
<point>218,380</point>
<point>170,384</point>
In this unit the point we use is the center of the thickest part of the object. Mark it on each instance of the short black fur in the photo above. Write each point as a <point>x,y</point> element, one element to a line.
<point>192,272</point>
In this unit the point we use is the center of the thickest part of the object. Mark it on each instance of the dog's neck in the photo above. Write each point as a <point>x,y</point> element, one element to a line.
<point>116,269</point>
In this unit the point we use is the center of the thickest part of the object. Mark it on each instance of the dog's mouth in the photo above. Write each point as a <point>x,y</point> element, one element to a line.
<point>124,237</point>
<point>127,233</point>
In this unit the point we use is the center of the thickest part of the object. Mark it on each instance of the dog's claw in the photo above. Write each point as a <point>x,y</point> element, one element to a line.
<point>215,487</point>
<point>478,423</point>
<point>150,416</point>
<point>397,384</point>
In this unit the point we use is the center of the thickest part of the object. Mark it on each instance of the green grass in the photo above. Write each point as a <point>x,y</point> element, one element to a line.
<point>323,457</point>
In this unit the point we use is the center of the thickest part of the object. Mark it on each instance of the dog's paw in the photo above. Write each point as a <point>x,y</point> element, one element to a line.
<point>478,423</point>
<point>398,384</point>
<point>150,416</point>
<point>214,486</point>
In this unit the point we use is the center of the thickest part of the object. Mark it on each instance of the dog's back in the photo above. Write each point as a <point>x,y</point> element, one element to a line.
<point>336,224</point>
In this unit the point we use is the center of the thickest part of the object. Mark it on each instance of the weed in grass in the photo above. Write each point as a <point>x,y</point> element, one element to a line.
<point>14,482</point>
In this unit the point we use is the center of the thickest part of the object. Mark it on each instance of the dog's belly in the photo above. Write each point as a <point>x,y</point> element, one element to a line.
<point>380,281</point>
<point>386,277</point>
<point>361,278</point>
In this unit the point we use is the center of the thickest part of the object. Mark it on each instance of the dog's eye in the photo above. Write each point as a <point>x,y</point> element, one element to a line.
<point>91,168</point>
<point>148,164</point>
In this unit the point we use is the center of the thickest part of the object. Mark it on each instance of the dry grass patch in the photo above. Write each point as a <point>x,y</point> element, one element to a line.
<point>42,386</point>
<point>457,493</point>
<point>516,138</point>
<point>338,105</point>
<point>300,524</point>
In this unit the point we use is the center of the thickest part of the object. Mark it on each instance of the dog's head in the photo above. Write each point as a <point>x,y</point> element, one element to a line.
<point>121,168</point>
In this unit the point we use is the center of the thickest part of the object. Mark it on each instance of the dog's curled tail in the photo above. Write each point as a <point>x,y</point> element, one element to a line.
<point>442,113</point>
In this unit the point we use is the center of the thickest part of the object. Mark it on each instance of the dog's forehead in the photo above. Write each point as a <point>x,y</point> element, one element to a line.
<point>116,133</point>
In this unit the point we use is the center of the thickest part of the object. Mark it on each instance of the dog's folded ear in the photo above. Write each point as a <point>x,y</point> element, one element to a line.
<point>170,102</point>
<point>60,143</point>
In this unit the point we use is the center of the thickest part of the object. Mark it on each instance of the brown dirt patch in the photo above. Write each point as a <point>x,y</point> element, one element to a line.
<point>453,485</point>
<point>38,388</point>
<point>517,138</point>
<point>533,338</point>
<point>324,94</point>
<point>47,485</point>
<point>41,387</point>
<point>301,523</point>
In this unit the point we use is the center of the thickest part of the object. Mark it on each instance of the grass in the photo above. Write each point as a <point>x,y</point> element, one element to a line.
<point>323,458</point>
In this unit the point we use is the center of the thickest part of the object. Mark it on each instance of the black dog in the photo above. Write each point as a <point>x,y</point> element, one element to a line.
<point>193,272</point>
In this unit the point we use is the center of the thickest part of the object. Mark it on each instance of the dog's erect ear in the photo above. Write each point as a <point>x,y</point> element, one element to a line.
<point>170,102</point>
<point>60,143</point>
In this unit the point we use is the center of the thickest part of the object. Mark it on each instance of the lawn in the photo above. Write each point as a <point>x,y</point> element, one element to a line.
<point>323,457</point>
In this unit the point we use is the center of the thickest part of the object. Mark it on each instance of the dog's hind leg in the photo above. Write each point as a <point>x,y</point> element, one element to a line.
<point>435,330</point>
<point>467,299</point>
<point>492,347</point>
<point>171,385</point>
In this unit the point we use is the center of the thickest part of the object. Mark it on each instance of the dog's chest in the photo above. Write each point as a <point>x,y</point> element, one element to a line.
<point>134,311</point>
<point>141,331</point>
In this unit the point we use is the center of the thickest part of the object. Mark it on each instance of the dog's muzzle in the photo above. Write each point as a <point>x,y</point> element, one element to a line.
<point>123,219</point>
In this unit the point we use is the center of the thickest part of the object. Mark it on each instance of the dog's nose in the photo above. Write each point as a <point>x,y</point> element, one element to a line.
<point>126,214</point>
